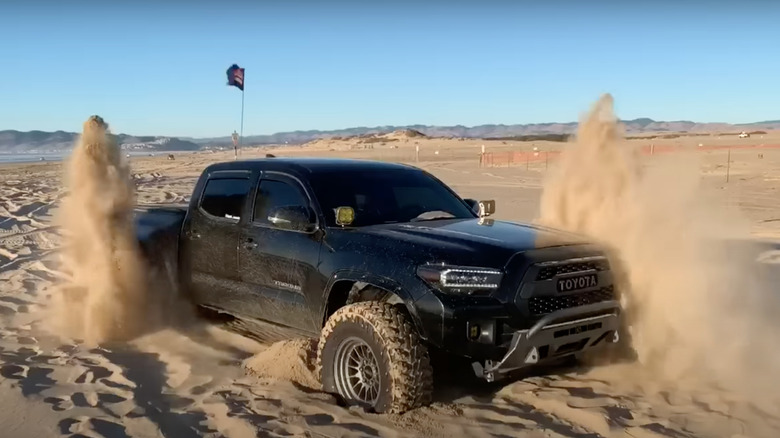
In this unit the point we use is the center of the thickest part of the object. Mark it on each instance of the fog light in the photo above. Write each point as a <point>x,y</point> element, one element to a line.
<point>474,332</point>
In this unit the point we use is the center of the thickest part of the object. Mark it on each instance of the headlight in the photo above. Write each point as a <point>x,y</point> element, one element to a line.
<point>460,279</point>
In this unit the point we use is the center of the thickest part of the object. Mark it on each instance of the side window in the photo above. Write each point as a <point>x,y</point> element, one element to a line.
<point>273,193</point>
<point>224,197</point>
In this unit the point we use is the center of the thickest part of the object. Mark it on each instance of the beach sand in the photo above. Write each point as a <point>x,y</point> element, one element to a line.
<point>200,379</point>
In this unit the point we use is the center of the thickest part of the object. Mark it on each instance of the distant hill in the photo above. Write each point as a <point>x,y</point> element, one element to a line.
<point>520,131</point>
<point>42,142</point>
<point>39,141</point>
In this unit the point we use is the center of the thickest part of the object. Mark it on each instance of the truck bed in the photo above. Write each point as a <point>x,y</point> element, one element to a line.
<point>157,230</point>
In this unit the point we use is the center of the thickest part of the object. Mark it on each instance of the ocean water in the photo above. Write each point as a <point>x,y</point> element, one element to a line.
<point>31,158</point>
<point>59,156</point>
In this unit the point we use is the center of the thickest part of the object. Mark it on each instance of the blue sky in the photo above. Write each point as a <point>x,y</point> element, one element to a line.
<point>159,68</point>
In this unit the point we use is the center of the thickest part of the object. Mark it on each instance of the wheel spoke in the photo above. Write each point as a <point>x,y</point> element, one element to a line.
<point>363,391</point>
<point>352,359</point>
<point>361,354</point>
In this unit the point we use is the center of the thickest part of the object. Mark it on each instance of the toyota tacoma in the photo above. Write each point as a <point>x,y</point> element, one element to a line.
<point>384,264</point>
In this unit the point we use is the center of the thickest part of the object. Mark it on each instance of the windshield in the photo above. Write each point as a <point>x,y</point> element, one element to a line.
<point>386,196</point>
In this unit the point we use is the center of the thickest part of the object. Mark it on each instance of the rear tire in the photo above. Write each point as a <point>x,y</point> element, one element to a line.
<point>370,355</point>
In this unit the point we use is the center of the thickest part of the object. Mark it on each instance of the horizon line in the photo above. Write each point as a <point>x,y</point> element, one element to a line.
<point>405,126</point>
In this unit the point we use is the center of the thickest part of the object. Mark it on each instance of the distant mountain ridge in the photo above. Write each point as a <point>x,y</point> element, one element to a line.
<point>40,141</point>
<point>635,126</point>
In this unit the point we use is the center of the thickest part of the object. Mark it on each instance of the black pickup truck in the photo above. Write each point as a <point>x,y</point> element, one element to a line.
<point>385,264</point>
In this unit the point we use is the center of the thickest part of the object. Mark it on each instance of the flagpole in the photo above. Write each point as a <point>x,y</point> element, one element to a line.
<point>241,133</point>
<point>237,80</point>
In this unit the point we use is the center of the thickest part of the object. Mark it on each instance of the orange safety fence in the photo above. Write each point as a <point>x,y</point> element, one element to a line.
<point>510,158</point>
<point>494,159</point>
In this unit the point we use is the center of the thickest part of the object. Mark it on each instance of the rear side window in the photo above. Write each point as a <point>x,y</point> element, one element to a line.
<point>272,194</point>
<point>224,197</point>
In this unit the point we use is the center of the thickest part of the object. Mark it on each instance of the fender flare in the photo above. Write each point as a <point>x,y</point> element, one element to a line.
<point>365,279</point>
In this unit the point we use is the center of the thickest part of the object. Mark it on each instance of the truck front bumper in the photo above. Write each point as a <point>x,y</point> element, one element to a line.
<point>556,335</point>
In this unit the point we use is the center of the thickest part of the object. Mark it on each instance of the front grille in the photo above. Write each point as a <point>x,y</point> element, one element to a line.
<point>548,304</point>
<point>553,270</point>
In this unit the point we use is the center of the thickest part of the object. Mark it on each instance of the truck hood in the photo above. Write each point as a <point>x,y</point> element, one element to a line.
<point>477,234</point>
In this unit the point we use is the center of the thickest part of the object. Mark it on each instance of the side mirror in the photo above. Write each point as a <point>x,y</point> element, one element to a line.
<point>473,203</point>
<point>292,217</point>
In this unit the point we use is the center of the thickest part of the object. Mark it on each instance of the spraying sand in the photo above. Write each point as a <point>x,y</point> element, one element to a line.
<point>698,309</point>
<point>105,296</point>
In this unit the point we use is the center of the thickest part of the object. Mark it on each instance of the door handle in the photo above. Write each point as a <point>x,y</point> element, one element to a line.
<point>192,234</point>
<point>250,244</point>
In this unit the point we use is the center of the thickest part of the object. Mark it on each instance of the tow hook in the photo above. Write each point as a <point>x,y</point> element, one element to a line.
<point>532,357</point>
<point>490,376</point>
<point>481,371</point>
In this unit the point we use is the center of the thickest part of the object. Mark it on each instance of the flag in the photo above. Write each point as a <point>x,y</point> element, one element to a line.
<point>235,75</point>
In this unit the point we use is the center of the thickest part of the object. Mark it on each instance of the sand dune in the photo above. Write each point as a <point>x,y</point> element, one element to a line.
<point>199,379</point>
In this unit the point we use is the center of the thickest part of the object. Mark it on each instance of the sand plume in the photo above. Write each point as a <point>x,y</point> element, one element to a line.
<point>697,306</point>
<point>105,297</point>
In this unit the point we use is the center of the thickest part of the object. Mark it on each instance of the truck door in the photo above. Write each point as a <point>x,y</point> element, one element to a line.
<point>278,264</point>
<point>210,235</point>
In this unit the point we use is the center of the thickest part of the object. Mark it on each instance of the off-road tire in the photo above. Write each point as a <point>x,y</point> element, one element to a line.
<point>404,365</point>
